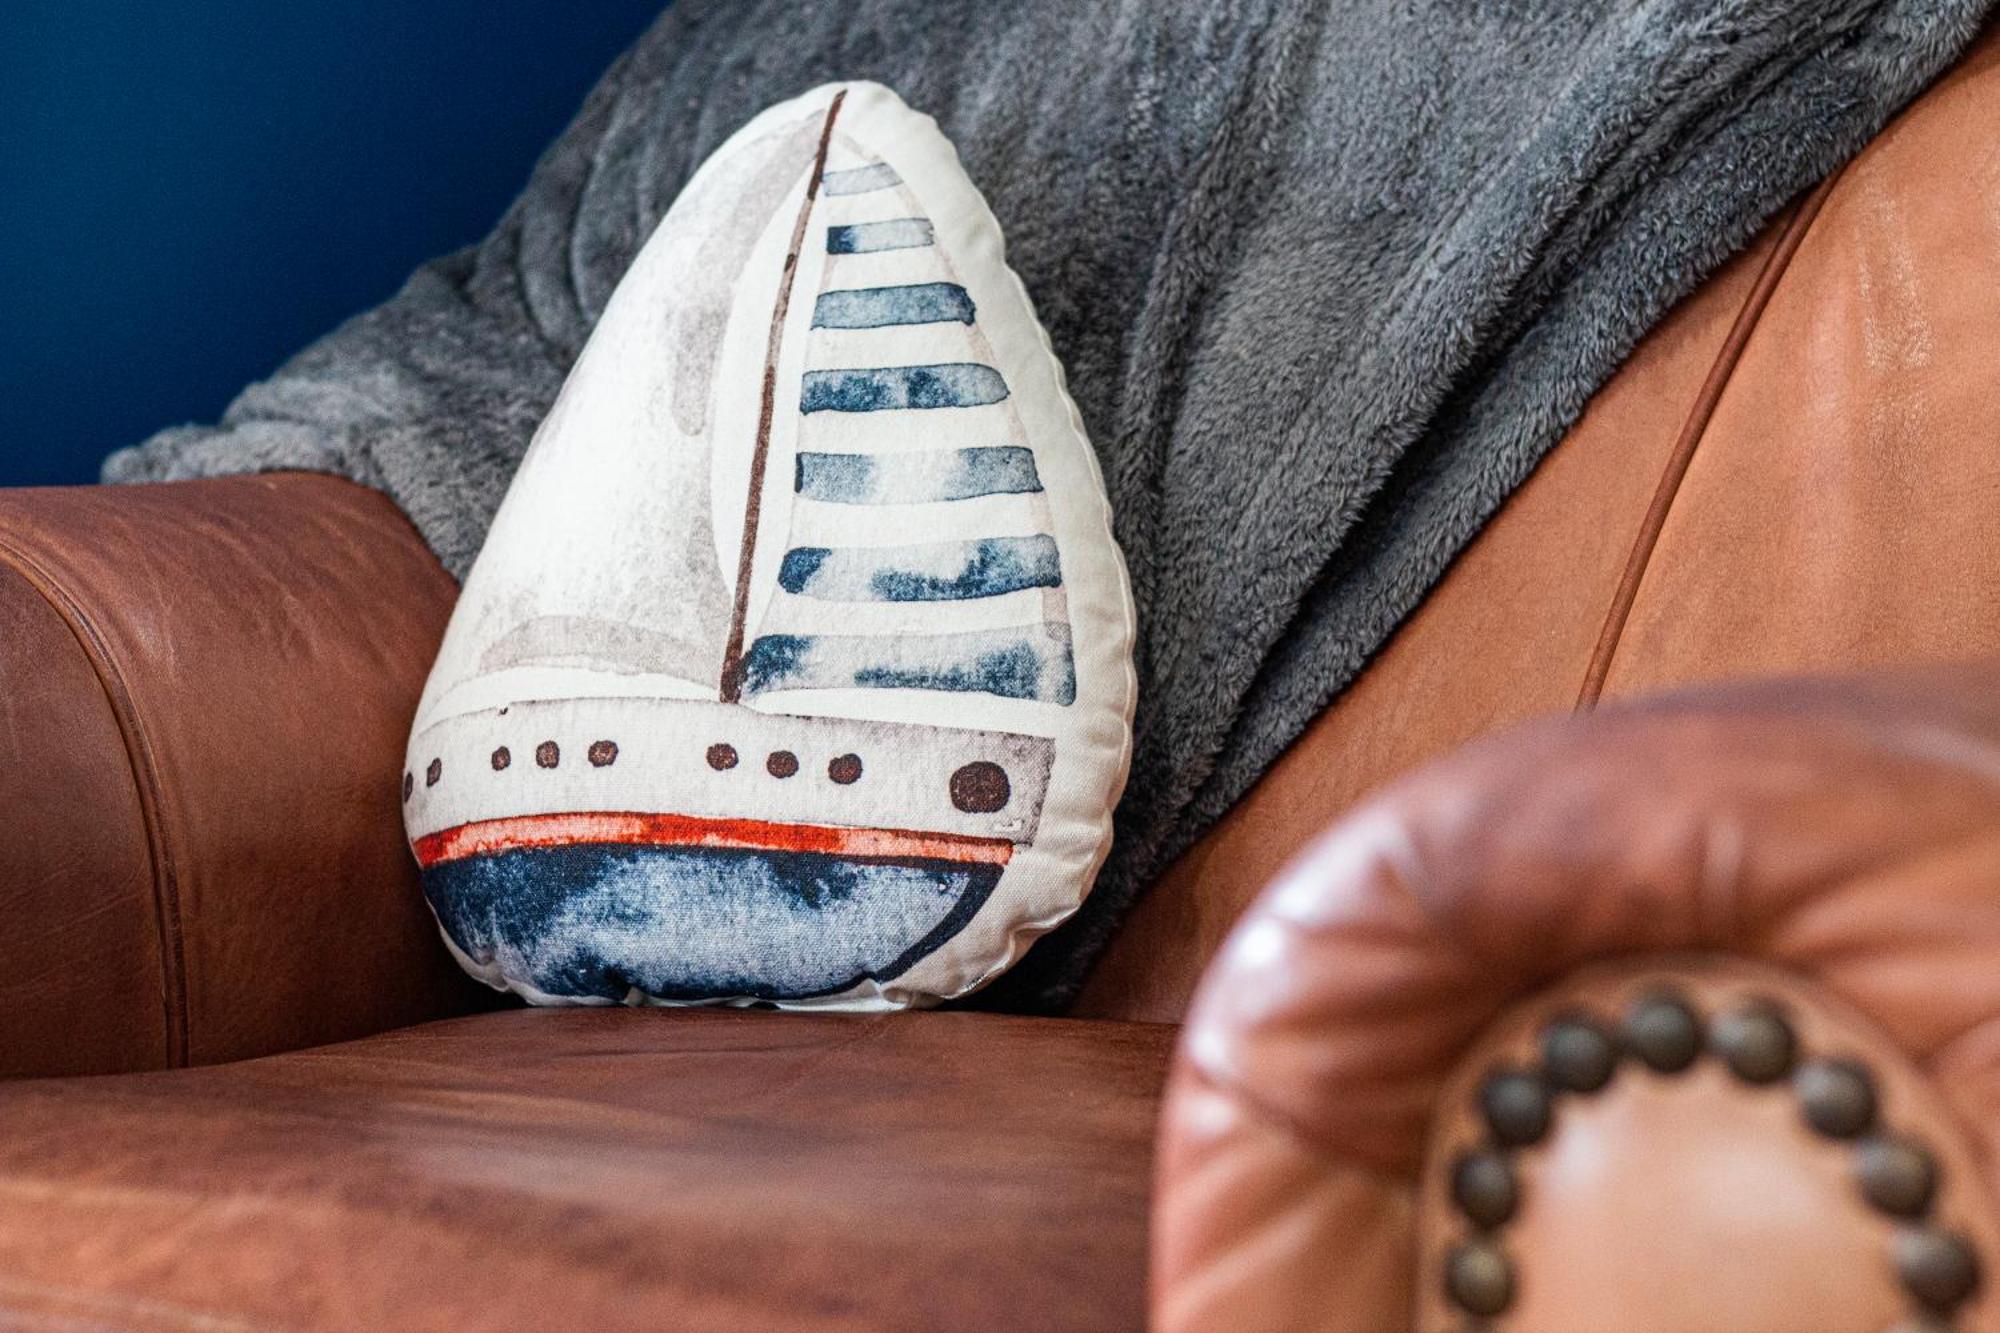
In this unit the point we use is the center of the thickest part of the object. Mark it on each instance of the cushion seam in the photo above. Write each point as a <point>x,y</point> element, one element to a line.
<point>145,781</point>
<point>1693,430</point>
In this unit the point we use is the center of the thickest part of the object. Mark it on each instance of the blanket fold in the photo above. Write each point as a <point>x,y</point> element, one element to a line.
<point>1329,278</point>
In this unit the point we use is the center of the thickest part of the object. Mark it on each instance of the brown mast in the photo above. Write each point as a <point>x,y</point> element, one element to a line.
<point>731,685</point>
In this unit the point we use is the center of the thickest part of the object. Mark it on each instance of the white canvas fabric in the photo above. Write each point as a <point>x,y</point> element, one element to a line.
<point>797,665</point>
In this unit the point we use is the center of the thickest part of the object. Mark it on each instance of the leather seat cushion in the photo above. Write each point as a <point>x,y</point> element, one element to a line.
<point>695,1169</point>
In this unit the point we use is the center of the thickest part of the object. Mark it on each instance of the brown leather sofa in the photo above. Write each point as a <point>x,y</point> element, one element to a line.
<point>1678,1013</point>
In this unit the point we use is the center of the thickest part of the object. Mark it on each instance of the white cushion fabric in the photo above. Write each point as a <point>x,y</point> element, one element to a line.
<point>797,664</point>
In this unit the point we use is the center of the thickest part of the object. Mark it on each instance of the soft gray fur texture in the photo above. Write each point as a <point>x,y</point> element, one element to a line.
<point>1329,277</point>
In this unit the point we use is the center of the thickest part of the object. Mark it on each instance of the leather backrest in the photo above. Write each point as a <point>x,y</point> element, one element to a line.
<point>1796,470</point>
<point>208,688</point>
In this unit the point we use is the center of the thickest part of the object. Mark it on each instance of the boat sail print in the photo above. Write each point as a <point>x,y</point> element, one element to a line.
<point>758,695</point>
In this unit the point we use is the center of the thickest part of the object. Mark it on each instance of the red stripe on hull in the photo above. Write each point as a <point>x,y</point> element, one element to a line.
<point>638,830</point>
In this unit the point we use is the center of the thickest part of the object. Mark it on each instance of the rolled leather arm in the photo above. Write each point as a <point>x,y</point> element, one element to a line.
<point>204,692</point>
<point>1678,1016</point>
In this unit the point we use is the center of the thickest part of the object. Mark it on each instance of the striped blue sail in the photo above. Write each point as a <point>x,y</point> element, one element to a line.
<point>863,179</point>
<point>904,303</point>
<point>1032,662</point>
<point>860,238</point>
<point>916,478</point>
<point>924,572</point>
<point>919,553</point>
<point>892,388</point>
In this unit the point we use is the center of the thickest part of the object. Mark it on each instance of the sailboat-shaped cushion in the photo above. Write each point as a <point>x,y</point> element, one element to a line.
<point>797,664</point>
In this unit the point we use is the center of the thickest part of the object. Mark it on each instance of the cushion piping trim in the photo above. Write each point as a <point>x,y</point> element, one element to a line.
<point>1776,265</point>
<point>145,781</point>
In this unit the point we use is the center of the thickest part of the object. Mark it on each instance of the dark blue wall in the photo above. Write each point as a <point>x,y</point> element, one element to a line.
<point>190,191</point>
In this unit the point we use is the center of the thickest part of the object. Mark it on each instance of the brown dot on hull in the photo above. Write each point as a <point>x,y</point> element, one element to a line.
<point>501,758</point>
<point>980,787</point>
<point>845,768</point>
<point>603,754</point>
<point>548,754</point>
<point>722,756</point>
<point>781,764</point>
<point>433,773</point>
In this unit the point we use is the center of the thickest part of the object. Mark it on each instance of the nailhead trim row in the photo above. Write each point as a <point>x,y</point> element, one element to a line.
<point>1580,1054</point>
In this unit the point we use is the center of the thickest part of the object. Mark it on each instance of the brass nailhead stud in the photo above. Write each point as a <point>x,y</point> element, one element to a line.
<point>1897,1175</point>
<point>1483,1187</point>
<point>1578,1055</point>
<point>1478,1278</point>
<point>1937,1267</point>
<point>1516,1107</point>
<point>1755,1042</point>
<point>1663,1031</point>
<point>1838,1097</point>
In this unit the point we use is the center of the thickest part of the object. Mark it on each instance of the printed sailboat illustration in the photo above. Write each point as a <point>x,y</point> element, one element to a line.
<point>758,687</point>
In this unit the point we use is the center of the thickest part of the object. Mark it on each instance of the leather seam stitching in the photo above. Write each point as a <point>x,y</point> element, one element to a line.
<point>146,785</point>
<point>1693,430</point>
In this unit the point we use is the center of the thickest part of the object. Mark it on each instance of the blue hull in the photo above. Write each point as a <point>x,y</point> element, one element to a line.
<point>597,921</point>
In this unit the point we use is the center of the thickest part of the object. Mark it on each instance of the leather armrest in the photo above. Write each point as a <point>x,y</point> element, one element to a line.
<point>1421,989</point>
<point>207,686</point>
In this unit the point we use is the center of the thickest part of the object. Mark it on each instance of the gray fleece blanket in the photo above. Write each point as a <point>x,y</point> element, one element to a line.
<point>1329,277</point>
